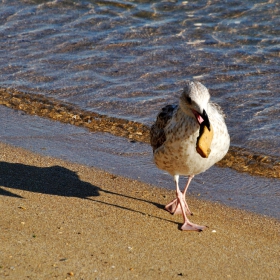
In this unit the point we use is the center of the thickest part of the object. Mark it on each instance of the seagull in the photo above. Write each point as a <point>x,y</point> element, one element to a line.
<point>175,138</point>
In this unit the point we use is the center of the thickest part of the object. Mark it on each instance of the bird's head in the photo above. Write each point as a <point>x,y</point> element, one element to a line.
<point>194,102</point>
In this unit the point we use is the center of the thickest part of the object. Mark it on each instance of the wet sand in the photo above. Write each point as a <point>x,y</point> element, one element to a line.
<point>61,220</point>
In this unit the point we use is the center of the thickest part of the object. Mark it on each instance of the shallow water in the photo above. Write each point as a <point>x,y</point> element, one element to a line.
<point>129,58</point>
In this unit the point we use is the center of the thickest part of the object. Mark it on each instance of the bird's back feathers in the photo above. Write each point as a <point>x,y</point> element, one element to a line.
<point>157,134</point>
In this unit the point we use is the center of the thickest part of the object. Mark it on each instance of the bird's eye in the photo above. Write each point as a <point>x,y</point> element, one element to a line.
<point>189,100</point>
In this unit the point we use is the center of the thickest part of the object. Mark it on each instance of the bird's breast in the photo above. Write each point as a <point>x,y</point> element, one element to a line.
<point>178,155</point>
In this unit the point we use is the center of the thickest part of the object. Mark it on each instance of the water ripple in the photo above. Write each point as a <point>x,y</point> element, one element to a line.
<point>127,59</point>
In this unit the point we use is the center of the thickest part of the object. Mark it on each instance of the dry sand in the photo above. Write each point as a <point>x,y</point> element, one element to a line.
<point>61,220</point>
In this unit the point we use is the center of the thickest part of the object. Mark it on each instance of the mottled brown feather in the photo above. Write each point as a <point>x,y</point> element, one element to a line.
<point>157,134</point>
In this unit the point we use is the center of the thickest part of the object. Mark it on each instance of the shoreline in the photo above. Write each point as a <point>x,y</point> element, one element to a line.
<point>62,220</point>
<point>237,158</point>
<point>134,160</point>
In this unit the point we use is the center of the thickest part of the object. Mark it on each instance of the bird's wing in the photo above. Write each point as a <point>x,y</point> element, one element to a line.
<point>157,134</point>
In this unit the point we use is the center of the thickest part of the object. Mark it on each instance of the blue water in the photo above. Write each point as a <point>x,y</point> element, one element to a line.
<point>128,58</point>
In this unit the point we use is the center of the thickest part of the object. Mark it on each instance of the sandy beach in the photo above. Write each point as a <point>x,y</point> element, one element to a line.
<point>81,84</point>
<point>61,220</point>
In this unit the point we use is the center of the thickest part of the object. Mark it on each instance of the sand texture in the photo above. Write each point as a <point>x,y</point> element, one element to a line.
<point>61,220</point>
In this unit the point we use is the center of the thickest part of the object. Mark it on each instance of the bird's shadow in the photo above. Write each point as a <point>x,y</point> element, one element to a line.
<point>55,180</point>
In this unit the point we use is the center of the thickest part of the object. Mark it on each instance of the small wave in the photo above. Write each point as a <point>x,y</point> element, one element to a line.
<point>237,158</point>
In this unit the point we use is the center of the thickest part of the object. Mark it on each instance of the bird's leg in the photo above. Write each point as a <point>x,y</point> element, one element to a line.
<point>174,206</point>
<point>181,201</point>
<point>184,194</point>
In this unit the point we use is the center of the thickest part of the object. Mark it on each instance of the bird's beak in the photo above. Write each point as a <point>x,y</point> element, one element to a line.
<point>202,118</point>
<point>204,140</point>
<point>206,119</point>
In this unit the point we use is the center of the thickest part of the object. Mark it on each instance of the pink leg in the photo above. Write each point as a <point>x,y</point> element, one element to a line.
<point>185,191</point>
<point>182,202</point>
<point>174,206</point>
